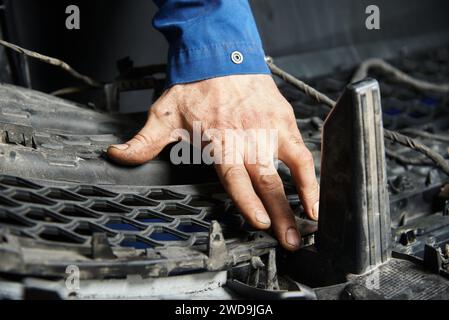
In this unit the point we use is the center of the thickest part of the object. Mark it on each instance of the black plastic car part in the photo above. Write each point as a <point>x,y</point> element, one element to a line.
<point>354,225</point>
<point>161,230</point>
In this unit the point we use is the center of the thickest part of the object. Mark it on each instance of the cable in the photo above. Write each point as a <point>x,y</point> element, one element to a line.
<point>407,160</point>
<point>53,61</point>
<point>308,90</point>
<point>426,135</point>
<point>397,137</point>
<point>415,145</point>
<point>363,70</point>
<point>68,90</point>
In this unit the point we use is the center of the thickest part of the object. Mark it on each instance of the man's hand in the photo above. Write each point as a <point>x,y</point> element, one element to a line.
<point>236,102</point>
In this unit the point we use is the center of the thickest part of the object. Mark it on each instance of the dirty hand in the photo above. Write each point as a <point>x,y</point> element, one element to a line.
<point>236,102</point>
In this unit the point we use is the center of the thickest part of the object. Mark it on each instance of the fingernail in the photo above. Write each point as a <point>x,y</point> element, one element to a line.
<point>316,210</point>
<point>292,237</point>
<point>262,217</point>
<point>120,146</point>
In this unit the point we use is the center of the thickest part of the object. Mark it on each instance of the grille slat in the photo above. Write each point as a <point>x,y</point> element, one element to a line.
<point>148,218</point>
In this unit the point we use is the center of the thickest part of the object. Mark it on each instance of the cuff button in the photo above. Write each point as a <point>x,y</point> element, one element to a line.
<point>237,57</point>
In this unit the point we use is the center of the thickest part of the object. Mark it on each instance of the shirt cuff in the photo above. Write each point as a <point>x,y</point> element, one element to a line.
<point>209,39</point>
<point>215,60</point>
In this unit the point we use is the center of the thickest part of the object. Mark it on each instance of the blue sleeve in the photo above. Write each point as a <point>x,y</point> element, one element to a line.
<point>209,38</point>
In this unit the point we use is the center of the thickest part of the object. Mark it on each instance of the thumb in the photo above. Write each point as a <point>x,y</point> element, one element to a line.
<point>145,145</point>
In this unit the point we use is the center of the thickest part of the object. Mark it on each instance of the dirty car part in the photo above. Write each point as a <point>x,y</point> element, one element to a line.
<point>51,221</point>
<point>354,224</point>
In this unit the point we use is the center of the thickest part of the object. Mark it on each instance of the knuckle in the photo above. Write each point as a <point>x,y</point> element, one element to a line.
<point>160,112</point>
<point>156,109</point>
<point>301,155</point>
<point>296,140</point>
<point>291,143</point>
<point>305,156</point>
<point>270,182</point>
<point>234,173</point>
<point>311,194</point>
<point>142,139</point>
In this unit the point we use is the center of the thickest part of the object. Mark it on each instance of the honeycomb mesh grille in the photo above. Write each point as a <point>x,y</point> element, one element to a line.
<point>154,217</point>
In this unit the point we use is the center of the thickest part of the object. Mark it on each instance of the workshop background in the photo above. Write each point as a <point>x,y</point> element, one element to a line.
<point>307,37</point>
